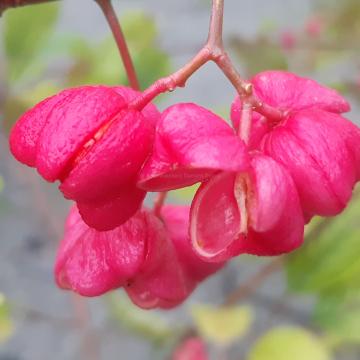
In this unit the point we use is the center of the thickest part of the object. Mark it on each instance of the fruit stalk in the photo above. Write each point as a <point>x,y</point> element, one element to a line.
<point>120,40</point>
<point>213,50</point>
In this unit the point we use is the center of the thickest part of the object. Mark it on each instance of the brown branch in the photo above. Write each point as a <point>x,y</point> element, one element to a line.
<point>252,284</point>
<point>8,4</point>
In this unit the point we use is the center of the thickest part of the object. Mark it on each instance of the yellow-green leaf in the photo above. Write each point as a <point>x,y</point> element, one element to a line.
<point>330,261</point>
<point>339,316</point>
<point>289,343</point>
<point>2,184</point>
<point>26,31</point>
<point>139,29</point>
<point>6,324</point>
<point>186,193</point>
<point>222,325</point>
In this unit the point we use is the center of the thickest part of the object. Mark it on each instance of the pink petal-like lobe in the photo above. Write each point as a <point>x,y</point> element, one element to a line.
<point>257,212</point>
<point>276,222</point>
<point>112,161</point>
<point>171,270</point>
<point>318,159</point>
<point>289,92</point>
<point>108,214</point>
<point>161,281</point>
<point>71,124</point>
<point>216,221</point>
<point>191,144</point>
<point>24,135</point>
<point>91,262</point>
<point>87,138</point>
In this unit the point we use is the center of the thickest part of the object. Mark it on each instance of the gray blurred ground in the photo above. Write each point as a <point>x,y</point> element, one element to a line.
<point>48,326</point>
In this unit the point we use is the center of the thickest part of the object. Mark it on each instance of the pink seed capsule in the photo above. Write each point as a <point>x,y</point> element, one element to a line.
<point>88,140</point>
<point>319,147</point>
<point>256,213</point>
<point>151,258</point>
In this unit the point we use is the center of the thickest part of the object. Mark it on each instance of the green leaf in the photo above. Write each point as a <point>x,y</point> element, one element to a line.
<point>339,316</point>
<point>151,64</point>
<point>186,193</point>
<point>27,30</point>
<point>6,324</point>
<point>222,325</point>
<point>331,261</point>
<point>285,343</point>
<point>139,29</point>
<point>2,184</point>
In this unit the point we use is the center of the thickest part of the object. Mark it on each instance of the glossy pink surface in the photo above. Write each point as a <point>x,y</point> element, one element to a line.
<point>86,138</point>
<point>318,147</point>
<point>191,143</point>
<point>90,262</point>
<point>256,213</point>
<point>151,258</point>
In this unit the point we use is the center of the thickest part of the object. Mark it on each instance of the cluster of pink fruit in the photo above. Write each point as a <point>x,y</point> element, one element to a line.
<point>254,197</point>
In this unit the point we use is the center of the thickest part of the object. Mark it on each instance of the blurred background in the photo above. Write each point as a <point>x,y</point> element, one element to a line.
<point>302,307</point>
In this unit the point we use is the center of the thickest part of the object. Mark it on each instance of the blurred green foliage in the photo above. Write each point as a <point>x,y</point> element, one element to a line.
<point>33,48</point>
<point>6,323</point>
<point>285,343</point>
<point>251,54</point>
<point>332,259</point>
<point>150,325</point>
<point>24,38</point>
<point>100,63</point>
<point>328,267</point>
<point>184,194</point>
<point>339,315</point>
<point>222,325</point>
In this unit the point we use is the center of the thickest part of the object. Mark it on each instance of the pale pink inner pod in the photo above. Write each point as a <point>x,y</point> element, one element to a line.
<point>257,212</point>
<point>216,221</point>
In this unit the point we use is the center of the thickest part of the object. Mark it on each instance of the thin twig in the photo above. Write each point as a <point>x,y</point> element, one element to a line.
<point>159,202</point>
<point>252,284</point>
<point>245,123</point>
<point>119,37</point>
<point>213,50</point>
